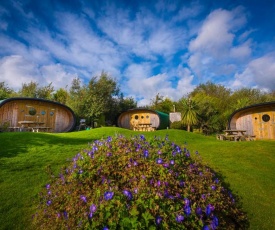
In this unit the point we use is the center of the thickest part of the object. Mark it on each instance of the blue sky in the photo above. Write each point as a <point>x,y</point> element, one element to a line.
<point>150,47</point>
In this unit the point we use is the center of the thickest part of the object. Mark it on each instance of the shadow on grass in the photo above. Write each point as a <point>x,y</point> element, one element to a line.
<point>13,144</point>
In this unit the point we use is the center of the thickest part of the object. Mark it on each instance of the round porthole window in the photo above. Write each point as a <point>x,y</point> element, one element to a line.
<point>43,112</point>
<point>147,116</point>
<point>266,117</point>
<point>51,113</point>
<point>32,111</point>
<point>136,117</point>
<point>142,117</point>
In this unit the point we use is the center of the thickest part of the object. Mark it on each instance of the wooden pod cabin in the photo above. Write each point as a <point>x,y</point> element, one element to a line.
<point>143,120</point>
<point>258,120</point>
<point>33,114</point>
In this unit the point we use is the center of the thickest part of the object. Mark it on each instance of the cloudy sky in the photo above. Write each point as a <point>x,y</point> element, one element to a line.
<point>150,47</point>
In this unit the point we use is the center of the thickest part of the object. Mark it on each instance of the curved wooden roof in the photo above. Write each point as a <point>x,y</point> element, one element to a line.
<point>247,108</point>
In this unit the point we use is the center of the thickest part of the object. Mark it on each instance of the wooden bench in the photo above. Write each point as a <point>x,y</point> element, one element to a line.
<point>40,129</point>
<point>250,137</point>
<point>14,129</point>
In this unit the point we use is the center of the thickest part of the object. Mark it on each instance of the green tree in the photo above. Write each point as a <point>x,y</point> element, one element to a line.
<point>61,96</point>
<point>101,94</point>
<point>28,89</point>
<point>161,103</point>
<point>219,104</point>
<point>45,92</point>
<point>245,96</point>
<point>5,91</point>
<point>189,114</point>
<point>77,96</point>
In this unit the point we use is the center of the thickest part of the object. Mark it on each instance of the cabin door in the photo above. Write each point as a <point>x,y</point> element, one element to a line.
<point>264,125</point>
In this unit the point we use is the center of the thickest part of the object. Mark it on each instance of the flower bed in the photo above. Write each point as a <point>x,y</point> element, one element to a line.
<point>132,183</point>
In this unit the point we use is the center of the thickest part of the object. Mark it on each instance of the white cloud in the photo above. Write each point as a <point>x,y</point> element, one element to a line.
<point>259,73</point>
<point>214,51</point>
<point>16,70</point>
<point>146,86</point>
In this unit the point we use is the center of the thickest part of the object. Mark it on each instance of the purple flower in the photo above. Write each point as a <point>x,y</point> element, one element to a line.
<point>128,194</point>
<point>216,180</point>
<point>165,165</point>
<point>135,163</point>
<point>197,152</point>
<point>198,211</point>
<point>179,218</point>
<point>208,210</point>
<point>213,187</point>
<point>214,222</point>
<point>108,195</point>
<point>159,161</point>
<point>142,137</point>
<point>83,198</point>
<point>172,162</point>
<point>205,227</point>
<point>49,202</point>
<point>187,210</point>
<point>65,215</point>
<point>48,186</point>
<point>109,154</point>
<point>158,183</point>
<point>146,153</point>
<point>92,208</point>
<point>105,228</point>
<point>181,183</point>
<point>186,202</point>
<point>158,220</point>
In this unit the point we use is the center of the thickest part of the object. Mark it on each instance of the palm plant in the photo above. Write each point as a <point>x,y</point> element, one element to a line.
<point>189,114</point>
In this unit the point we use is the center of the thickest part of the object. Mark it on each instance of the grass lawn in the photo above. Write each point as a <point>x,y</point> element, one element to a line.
<point>247,167</point>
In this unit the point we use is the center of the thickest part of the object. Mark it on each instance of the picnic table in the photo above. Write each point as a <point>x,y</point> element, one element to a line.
<point>235,135</point>
<point>34,126</point>
<point>145,127</point>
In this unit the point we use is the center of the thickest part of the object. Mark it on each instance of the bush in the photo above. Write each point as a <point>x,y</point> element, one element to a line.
<point>121,183</point>
<point>176,125</point>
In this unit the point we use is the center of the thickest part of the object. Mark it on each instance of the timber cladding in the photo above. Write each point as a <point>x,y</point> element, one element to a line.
<point>133,118</point>
<point>258,120</point>
<point>36,114</point>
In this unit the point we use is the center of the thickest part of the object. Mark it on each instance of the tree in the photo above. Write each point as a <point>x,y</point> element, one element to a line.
<point>5,91</point>
<point>61,96</point>
<point>101,93</point>
<point>45,92</point>
<point>29,89</point>
<point>77,96</point>
<point>189,113</point>
<point>219,98</point>
<point>162,104</point>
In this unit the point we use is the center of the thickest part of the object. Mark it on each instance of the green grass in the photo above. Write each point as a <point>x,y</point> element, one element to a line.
<point>247,167</point>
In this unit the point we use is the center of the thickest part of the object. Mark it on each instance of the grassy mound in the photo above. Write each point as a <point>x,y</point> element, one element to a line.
<point>134,183</point>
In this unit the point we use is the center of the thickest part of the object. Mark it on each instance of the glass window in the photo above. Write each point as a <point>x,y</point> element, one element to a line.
<point>266,117</point>
<point>136,117</point>
<point>32,111</point>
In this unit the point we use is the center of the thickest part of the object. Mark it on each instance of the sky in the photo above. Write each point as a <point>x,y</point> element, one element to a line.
<point>149,47</point>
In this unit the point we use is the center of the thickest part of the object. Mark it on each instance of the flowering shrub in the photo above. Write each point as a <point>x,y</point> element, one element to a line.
<point>121,183</point>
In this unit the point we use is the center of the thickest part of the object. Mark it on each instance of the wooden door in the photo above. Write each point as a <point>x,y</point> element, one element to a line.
<point>264,125</point>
